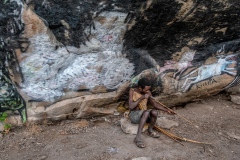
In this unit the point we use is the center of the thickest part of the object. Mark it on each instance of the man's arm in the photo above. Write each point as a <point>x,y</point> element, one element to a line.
<point>133,104</point>
<point>159,106</point>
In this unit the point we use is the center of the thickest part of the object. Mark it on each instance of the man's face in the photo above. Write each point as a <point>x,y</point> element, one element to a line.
<point>146,89</point>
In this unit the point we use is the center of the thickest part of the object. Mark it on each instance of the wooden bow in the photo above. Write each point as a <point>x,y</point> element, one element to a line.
<point>171,135</point>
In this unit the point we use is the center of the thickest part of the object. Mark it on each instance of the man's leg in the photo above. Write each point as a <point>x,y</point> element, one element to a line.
<point>143,120</point>
<point>153,115</point>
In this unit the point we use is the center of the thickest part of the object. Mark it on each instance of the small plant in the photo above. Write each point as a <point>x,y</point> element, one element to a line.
<point>3,117</point>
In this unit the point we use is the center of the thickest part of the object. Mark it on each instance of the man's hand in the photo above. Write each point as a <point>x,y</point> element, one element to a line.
<point>148,94</point>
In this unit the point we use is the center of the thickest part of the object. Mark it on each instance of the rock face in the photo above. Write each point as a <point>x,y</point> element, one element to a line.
<point>62,59</point>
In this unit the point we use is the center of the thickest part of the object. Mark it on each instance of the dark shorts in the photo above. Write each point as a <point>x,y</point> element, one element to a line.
<point>135,116</point>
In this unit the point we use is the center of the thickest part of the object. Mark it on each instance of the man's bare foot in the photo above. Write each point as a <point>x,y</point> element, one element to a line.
<point>153,134</point>
<point>139,143</point>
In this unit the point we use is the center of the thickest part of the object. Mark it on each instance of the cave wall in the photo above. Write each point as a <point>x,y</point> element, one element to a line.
<point>194,43</point>
<point>77,58</point>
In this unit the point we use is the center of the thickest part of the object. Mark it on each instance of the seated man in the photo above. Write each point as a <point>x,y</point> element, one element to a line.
<point>139,97</point>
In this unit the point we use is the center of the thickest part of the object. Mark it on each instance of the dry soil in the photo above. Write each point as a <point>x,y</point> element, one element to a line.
<point>101,138</point>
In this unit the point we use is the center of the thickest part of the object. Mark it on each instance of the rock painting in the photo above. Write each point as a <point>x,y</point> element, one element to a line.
<point>208,71</point>
<point>182,75</point>
<point>11,26</point>
<point>49,71</point>
<point>177,67</point>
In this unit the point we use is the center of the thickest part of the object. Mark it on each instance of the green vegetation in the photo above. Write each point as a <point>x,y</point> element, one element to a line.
<point>3,117</point>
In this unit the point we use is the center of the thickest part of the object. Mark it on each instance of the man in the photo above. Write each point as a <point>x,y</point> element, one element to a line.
<point>139,97</point>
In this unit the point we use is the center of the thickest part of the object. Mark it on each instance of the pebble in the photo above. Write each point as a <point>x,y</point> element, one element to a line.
<point>43,157</point>
<point>142,158</point>
<point>233,135</point>
<point>112,150</point>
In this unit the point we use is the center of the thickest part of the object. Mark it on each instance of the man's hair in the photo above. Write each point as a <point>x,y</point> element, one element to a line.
<point>144,82</point>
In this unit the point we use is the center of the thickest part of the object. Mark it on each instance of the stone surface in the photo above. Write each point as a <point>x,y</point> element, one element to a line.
<point>14,120</point>
<point>80,107</point>
<point>129,127</point>
<point>235,98</point>
<point>234,90</point>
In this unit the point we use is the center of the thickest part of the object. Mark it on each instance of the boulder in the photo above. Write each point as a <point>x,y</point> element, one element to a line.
<point>80,107</point>
<point>14,120</point>
<point>235,99</point>
<point>131,128</point>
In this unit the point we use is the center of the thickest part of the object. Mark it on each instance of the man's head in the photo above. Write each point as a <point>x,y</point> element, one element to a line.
<point>144,85</point>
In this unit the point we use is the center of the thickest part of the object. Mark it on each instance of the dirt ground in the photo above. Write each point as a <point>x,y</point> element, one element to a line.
<point>101,138</point>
